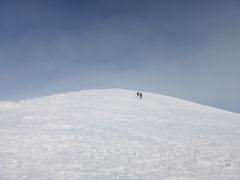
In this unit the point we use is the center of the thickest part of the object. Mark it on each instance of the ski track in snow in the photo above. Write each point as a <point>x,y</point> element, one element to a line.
<point>111,134</point>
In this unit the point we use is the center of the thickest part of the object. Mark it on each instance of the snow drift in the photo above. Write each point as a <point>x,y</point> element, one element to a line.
<point>111,134</point>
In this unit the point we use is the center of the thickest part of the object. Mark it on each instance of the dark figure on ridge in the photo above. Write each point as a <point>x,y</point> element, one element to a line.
<point>140,95</point>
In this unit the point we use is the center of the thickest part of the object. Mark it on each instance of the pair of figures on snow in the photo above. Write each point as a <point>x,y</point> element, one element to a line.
<point>139,94</point>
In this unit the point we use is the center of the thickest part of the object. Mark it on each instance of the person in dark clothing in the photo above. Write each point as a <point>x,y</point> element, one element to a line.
<point>140,94</point>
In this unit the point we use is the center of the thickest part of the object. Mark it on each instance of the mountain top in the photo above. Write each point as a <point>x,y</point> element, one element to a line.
<point>112,134</point>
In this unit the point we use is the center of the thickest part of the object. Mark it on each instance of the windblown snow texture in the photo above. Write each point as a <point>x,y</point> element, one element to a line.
<point>112,134</point>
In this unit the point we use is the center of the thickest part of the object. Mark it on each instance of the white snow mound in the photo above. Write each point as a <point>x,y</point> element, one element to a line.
<point>112,134</point>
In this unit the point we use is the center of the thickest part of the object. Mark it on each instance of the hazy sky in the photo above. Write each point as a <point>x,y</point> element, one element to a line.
<point>188,49</point>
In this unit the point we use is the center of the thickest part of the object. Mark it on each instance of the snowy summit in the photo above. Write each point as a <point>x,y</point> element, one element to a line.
<point>113,134</point>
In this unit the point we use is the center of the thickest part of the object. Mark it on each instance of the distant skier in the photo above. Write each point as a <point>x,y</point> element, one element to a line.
<point>140,95</point>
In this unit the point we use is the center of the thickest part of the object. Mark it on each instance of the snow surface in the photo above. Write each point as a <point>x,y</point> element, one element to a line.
<point>111,134</point>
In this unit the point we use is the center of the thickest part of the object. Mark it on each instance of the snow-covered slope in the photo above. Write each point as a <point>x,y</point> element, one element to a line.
<point>111,134</point>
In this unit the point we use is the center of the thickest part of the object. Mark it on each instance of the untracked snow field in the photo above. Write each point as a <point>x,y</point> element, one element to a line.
<point>112,134</point>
